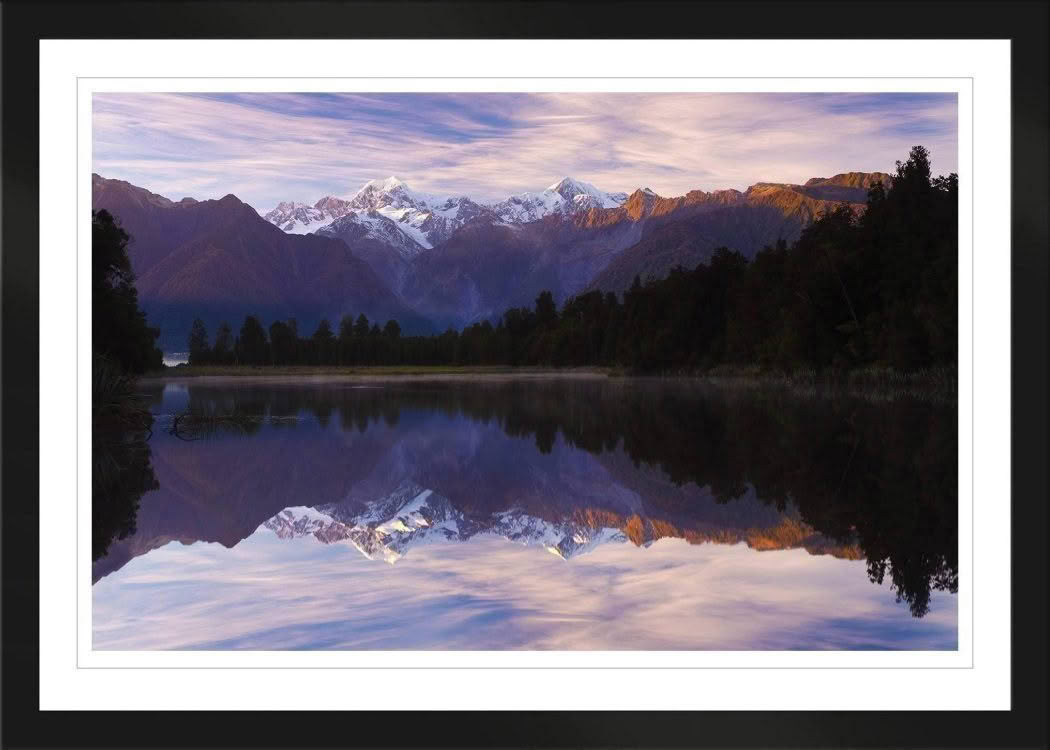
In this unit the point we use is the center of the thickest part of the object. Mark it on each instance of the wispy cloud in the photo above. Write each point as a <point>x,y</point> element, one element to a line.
<point>270,147</point>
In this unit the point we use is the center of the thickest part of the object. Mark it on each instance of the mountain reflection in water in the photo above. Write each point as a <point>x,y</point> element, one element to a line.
<point>306,485</point>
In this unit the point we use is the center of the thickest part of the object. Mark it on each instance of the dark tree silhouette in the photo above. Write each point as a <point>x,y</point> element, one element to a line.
<point>222,353</point>
<point>124,345</point>
<point>324,344</point>
<point>119,328</point>
<point>345,342</point>
<point>198,343</point>
<point>546,310</point>
<point>252,347</point>
<point>282,343</point>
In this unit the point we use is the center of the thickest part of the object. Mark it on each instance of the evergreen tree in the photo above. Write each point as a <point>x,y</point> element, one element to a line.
<point>198,343</point>
<point>252,346</point>
<point>282,343</point>
<point>546,310</point>
<point>324,343</point>
<point>222,352</point>
<point>119,329</point>
<point>346,340</point>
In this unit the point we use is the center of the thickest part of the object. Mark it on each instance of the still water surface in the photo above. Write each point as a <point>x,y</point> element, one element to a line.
<point>530,513</point>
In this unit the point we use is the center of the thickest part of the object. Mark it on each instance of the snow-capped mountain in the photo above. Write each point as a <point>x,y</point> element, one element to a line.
<point>411,516</point>
<point>423,218</point>
<point>392,194</point>
<point>294,217</point>
<point>406,209</point>
<point>302,218</point>
<point>567,196</point>
<point>388,211</point>
<point>391,212</point>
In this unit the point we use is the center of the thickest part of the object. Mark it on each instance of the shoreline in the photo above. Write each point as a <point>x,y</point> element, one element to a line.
<point>937,383</point>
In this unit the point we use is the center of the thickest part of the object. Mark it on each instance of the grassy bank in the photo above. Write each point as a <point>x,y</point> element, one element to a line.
<point>370,371</point>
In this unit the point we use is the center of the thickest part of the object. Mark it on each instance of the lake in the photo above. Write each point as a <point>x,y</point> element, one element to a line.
<point>527,512</point>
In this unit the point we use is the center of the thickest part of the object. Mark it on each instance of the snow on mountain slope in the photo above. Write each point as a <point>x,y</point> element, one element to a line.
<point>297,521</point>
<point>411,516</point>
<point>566,196</point>
<point>294,217</point>
<point>373,225</point>
<point>385,210</point>
<point>425,220</point>
<point>301,218</point>
<point>566,540</point>
<point>392,192</point>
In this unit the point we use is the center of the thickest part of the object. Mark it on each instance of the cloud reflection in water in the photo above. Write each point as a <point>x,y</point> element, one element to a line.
<point>268,593</point>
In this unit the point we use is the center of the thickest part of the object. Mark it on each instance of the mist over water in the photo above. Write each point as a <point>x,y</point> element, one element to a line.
<point>534,513</point>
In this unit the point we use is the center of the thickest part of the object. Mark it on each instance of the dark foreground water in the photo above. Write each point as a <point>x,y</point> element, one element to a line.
<point>527,513</point>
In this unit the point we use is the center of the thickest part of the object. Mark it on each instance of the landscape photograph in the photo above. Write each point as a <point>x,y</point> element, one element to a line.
<point>558,371</point>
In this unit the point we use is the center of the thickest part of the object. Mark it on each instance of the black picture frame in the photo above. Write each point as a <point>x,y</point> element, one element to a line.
<point>25,23</point>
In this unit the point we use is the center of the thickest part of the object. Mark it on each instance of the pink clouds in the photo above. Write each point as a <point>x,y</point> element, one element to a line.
<point>270,147</point>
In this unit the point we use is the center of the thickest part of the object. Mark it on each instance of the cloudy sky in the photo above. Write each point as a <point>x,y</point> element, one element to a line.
<point>266,148</point>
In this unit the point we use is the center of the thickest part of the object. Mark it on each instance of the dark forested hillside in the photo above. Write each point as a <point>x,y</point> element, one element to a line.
<point>686,231</point>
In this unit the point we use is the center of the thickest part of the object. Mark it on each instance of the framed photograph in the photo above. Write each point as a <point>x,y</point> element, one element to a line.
<point>618,381</point>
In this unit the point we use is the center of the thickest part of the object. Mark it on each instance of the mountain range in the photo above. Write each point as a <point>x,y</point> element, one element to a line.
<point>432,262</point>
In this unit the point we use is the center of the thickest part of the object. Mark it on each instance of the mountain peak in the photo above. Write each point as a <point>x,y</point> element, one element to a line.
<point>332,204</point>
<point>572,189</point>
<point>643,194</point>
<point>570,183</point>
<point>384,186</point>
<point>639,203</point>
<point>393,191</point>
